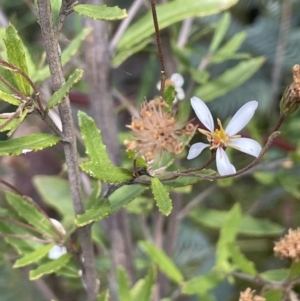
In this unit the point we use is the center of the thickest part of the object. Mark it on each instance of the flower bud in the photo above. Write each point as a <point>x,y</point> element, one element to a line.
<point>290,100</point>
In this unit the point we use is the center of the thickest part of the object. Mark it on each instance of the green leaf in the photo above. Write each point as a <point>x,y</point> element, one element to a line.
<point>264,177</point>
<point>100,12</point>
<point>122,196</point>
<point>66,55</point>
<point>97,212</point>
<point>55,8</point>
<point>9,98</point>
<point>16,56</point>
<point>104,296</point>
<point>240,260</point>
<point>249,225</point>
<point>201,285</point>
<point>59,198</point>
<point>13,123</point>
<point>294,270</point>
<point>144,288</point>
<point>275,275</point>
<point>161,196</point>
<point>100,166</point>
<point>229,80</point>
<point>50,267</point>
<point>60,94</point>
<point>221,29</point>
<point>169,95</point>
<point>23,145</point>
<point>228,234</point>
<point>123,284</point>
<point>228,50</point>
<point>34,256</point>
<point>273,295</point>
<point>164,263</point>
<point>168,14</point>
<point>29,211</point>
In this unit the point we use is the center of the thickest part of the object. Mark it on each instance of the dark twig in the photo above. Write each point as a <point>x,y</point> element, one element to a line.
<point>159,48</point>
<point>13,188</point>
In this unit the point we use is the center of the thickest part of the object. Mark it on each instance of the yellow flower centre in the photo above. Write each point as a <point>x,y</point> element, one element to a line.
<point>218,138</point>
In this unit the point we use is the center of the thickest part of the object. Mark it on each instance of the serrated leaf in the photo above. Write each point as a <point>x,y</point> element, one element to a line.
<point>123,284</point>
<point>168,14</point>
<point>50,267</point>
<point>16,56</point>
<point>55,8</point>
<point>201,285</point>
<point>33,142</point>
<point>161,196</point>
<point>100,166</point>
<point>164,263</point>
<point>34,256</point>
<point>13,123</point>
<point>143,291</point>
<point>97,212</point>
<point>228,235</point>
<point>273,295</point>
<point>101,12</point>
<point>66,55</point>
<point>122,196</point>
<point>60,94</point>
<point>228,50</point>
<point>30,212</point>
<point>240,260</point>
<point>9,98</point>
<point>220,31</point>
<point>229,80</point>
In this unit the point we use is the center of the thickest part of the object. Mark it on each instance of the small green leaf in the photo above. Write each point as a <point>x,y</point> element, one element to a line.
<point>97,212</point>
<point>161,195</point>
<point>30,212</point>
<point>100,12</point>
<point>201,285</point>
<point>104,296</point>
<point>34,256</point>
<point>144,288</point>
<point>66,55</point>
<point>55,8</point>
<point>9,98</point>
<point>169,94</point>
<point>228,234</point>
<point>294,270</point>
<point>164,263</point>
<point>229,80</point>
<point>228,50</point>
<point>275,275</point>
<point>60,94</point>
<point>240,260</point>
<point>23,145</point>
<point>16,56</point>
<point>273,295</point>
<point>221,29</point>
<point>13,123</point>
<point>100,166</point>
<point>50,267</point>
<point>122,196</point>
<point>123,284</point>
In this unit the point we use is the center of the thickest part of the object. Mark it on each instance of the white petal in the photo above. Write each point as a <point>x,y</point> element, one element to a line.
<point>246,145</point>
<point>241,117</point>
<point>203,113</point>
<point>177,79</point>
<point>223,164</point>
<point>180,95</point>
<point>58,226</point>
<point>56,252</point>
<point>196,149</point>
<point>158,86</point>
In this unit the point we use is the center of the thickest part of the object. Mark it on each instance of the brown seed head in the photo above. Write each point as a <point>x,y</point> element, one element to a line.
<point>291,98</point>
<point>289,245</point>
<point>248,295</point>
<point>155,131</point>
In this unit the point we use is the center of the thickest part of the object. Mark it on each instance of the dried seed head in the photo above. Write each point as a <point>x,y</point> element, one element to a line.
<point>289,245</point>
<point>248,295</point>
<point>291,98</point>
<point>155,131</point>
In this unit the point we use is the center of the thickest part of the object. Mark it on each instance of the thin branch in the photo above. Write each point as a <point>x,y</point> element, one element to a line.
<point>13,188</point>
<point>51,46</point>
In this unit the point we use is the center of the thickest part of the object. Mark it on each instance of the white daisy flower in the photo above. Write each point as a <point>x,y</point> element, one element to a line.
<point>219,139</point>
<point>177,80</point>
